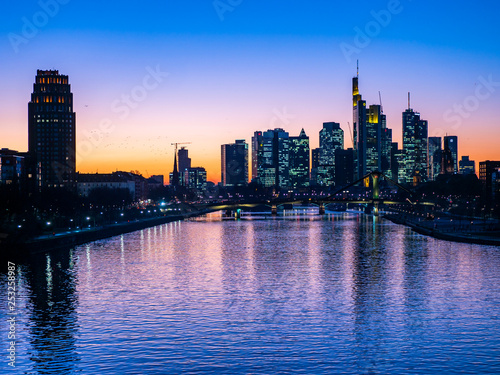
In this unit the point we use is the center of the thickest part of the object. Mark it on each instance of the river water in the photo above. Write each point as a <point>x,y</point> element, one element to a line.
<point>293,294</point>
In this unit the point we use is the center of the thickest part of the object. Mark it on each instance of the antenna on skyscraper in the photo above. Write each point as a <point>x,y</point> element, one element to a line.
<point>357,69</point>
<point>409,100</point>
<point>380,98</point>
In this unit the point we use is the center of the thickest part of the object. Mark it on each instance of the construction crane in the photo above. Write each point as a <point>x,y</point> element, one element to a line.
<point>179,143</point>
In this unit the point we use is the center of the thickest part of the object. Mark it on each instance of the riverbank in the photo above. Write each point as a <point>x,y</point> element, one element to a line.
<point>70,239</point>
<point>445,231</point>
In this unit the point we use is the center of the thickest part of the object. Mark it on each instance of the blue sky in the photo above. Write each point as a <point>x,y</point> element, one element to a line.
<point>230,72</point>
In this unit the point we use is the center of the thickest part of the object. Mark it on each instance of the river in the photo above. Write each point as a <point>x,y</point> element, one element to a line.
<point>300,293</point>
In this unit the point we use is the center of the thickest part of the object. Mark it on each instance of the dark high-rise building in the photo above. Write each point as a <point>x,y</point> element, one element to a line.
<point>467,166</point>
<point>52,131</point>
<point>315,154</point>
<point>184,159</point>
<point>256,148</point>
<point>344,167</point>
<point>385,144</point>
<point>451,143</point>
<point>331,138</point>
<point>486,170</point>
<point>299,161</point>
<point>234,163</point>
<point>414,145</point>
<point>434,157</point>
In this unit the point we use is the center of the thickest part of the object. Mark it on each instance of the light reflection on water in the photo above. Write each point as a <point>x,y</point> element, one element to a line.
<point>260,295</point>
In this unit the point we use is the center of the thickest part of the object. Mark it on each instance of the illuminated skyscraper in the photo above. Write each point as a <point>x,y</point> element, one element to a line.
<point>299,161</point>
<point>272,158</point>
<point>331,138</point>
<point>414,145</point>
<point>52,131</point>
<point>359,129</point>
<point>234,163</point>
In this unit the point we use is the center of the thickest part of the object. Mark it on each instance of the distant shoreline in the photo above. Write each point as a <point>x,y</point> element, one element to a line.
<point>480,238</point>
<point>48,243</point>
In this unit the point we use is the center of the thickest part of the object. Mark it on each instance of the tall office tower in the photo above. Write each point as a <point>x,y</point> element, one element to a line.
<point>184,159</point>
<point>359,129</point>
<point>434,157</point>
<point>256,146</point>
<point>373,158</point>
<point>299,161</point>
<point>234,163</point>
<point>394,161</point>
<point>414,145</point>
<point>331,138</point>
<point>451,142</point>
<point>52,131</point>
<point>385,147</point>
<point>315,153</point>
<point>397,163</point>
<point>467,166</point>
<point>273,158</point>
<point>344,167</point>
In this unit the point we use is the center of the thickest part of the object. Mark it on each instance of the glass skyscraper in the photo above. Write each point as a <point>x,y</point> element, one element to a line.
<point>299,161</point>
<point>234,163</point>
<point>414,146</point>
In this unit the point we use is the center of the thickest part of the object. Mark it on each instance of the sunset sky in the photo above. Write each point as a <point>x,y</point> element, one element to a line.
<point>146,74</point>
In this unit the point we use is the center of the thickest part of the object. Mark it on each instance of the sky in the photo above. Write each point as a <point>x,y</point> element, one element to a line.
<point>147,74</point>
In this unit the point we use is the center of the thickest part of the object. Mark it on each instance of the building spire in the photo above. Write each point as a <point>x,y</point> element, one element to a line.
<point>357,69</point>
<point>409,100</point>
<point>175,173</point>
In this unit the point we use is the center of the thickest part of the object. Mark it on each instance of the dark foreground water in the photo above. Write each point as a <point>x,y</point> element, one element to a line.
<point>286,295</point>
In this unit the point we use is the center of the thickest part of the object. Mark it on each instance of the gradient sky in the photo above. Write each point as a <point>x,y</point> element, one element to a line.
<point>257,65</point>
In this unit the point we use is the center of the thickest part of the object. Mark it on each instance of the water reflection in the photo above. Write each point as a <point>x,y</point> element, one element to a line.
<point>340,293</point>
<point>53,318</point>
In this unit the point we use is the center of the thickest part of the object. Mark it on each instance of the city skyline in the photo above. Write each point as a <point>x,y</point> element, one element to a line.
<point>228,77</point>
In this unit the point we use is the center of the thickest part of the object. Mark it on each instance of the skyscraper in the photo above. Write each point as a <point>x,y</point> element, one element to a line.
<point>414,145</point>
<point>234,163</point>
<point>331,138</point>
<point>344,167</point>
<point>299,161</point>
<point>256,148</point>
<point>451,142</point>
<point>359,129</point>
<point>373,157</point>
<point>184,159</point>
<point>272,157</point>
<point>434,156</point>
<point>52,131</point>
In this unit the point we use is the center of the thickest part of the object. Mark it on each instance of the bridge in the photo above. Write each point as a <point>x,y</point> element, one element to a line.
<point>375,200</point>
